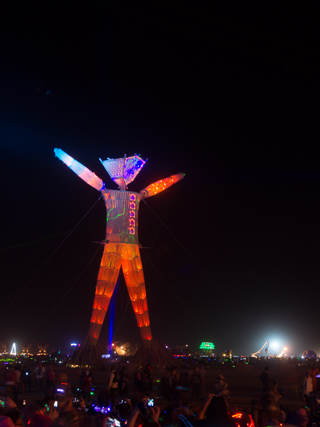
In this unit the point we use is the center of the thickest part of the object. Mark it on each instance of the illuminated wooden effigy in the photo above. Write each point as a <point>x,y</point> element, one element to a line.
<point>121,245</point>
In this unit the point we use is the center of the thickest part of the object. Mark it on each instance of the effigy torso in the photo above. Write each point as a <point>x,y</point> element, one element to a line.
<point>122,215</point>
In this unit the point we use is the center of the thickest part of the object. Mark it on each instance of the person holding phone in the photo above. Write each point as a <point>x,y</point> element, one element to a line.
<point>147,413</point>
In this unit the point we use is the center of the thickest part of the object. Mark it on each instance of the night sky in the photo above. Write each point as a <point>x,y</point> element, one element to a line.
<point>229,97</point>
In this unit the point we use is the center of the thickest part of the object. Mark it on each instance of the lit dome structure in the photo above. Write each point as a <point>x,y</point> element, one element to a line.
<point>309,354</point>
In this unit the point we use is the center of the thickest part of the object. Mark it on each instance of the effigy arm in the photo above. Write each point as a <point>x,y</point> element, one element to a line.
<point>161,185</point>
<point>84,173</point>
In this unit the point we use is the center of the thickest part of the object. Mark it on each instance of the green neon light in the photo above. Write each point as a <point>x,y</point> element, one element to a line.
<point>117,216</point>
<point>207,346</point>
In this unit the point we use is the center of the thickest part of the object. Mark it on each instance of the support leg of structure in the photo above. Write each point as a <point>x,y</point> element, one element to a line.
<point>88,356</point>
<point>153,354</point>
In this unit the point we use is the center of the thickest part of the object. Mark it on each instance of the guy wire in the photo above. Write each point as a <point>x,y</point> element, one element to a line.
<point>66,293</point>
<point>9,304</point>
<point>198,265</point>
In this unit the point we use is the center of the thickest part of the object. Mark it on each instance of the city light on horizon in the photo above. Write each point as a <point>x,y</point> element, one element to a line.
<point>274,348</point>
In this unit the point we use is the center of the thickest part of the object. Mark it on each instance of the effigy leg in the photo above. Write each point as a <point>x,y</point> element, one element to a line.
<point>133,274</point>
<point>107,278</point>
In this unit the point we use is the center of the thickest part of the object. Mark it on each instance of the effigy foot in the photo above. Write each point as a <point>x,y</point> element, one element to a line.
<point>87,356</point>
<point>153,354</point>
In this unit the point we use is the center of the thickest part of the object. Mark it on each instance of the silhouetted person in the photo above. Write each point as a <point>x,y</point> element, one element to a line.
<point>113,385</point>
<point>298,417</point>
<point>196,382</point>
<point>123,381</point>
<point>26,376</point>
<point>220,386</point>
<point>307,384</point>
<point>50,381</point>
<point>39,372</point>
<point>165,384</point>
<point>264,378</point>
<point>314,371</point>
<point>144,385</point>
<point>86,385</point>
<point>214,413</point>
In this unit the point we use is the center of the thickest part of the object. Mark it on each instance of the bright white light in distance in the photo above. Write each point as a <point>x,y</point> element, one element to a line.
<point>274,344</point>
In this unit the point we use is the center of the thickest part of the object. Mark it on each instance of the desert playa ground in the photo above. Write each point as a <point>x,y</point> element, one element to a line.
<point>242,378</point>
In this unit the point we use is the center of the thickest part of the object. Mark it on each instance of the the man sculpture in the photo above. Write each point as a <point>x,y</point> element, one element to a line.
<point>121,246</point>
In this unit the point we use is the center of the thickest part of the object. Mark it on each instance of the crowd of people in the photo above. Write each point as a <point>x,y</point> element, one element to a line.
<point>178,399</point>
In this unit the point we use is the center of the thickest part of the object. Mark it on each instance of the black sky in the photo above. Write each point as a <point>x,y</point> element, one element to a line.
<point>230,97</point>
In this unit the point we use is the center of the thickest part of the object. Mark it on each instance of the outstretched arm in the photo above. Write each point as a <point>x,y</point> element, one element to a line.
<point>161,185</point>
<point>84,173</point>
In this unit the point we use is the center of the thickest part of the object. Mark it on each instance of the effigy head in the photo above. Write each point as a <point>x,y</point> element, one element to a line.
<point>123,170</point>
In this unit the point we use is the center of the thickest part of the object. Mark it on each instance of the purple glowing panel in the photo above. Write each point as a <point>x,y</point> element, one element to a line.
<point>123,170</point>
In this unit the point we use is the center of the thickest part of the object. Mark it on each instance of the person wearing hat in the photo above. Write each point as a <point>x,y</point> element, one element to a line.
<point>220,386</point>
